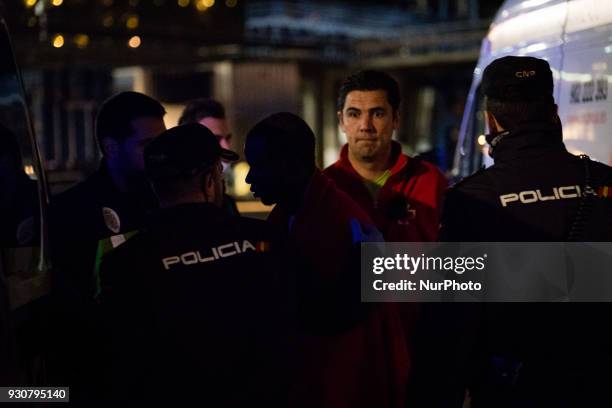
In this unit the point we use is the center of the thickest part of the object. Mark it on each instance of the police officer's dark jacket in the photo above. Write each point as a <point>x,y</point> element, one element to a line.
<point>90,211</point>
<point>200,302</point>
<point>531,193</point>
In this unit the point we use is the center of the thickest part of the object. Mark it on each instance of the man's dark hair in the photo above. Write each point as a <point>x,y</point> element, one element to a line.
<point>288,136</point>
<point>370,81</point>
<point>117,112</point>
<point>513,114</point>
<point>199,109</point>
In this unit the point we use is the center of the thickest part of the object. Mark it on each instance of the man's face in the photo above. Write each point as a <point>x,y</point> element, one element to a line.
<point>368,121</point>
<point>130,152</point>
<point>265,173</point>
<point>219,128</point>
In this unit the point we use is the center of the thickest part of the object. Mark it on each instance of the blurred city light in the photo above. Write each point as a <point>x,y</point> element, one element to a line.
<point>201,5</point>
<point>81,40</point>
<point>29,170</point>
<point>132,22</point>
<point>58,41</point>
<point>108,21</point>
<point>134,42</point>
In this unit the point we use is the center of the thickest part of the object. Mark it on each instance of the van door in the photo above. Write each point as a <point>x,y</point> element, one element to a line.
<point>24,270</point>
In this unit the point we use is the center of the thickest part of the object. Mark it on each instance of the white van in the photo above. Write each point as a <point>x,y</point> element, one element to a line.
<point>575,37</point>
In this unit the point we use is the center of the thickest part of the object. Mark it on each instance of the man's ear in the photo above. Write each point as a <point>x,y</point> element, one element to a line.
<point>492,123</point>
<point>206,184</point>
<point>110,147</point>
<point>396,119</point>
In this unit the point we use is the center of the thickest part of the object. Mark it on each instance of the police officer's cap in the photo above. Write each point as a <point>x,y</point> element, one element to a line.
<point>184,151</point>
<point>518,79</point>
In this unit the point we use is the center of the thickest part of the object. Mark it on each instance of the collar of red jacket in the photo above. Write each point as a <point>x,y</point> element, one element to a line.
<point>399,160</point>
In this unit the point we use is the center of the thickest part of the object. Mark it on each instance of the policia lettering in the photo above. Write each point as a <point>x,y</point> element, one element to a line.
<point>532,196</point>
<point>221,251</point>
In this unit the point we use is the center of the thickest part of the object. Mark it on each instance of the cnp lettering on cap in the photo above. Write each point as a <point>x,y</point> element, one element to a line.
<point>524,74</point>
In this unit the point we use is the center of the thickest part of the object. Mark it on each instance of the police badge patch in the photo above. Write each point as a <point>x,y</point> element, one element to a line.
<point>111,219</point>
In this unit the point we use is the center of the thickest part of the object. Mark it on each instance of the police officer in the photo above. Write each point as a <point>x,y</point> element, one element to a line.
<point>533,354</point>
<point>536,190</point>
<point>115,198</point>
<point>112,201</point>
<point>200,305</point>
<point>211,113</point>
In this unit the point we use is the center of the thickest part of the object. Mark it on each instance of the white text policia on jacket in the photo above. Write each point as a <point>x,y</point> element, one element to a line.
<point>532,196</point>
<point>213,254</point>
